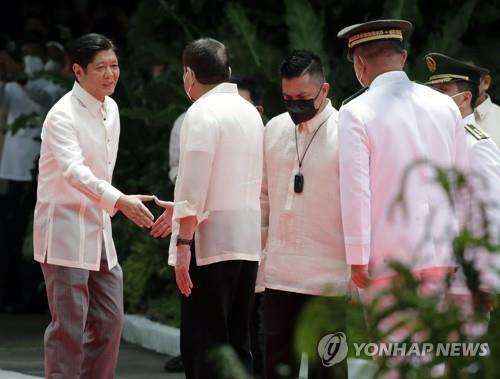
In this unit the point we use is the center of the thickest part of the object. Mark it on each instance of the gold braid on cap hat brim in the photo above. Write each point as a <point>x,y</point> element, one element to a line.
<point>449,77</point>
<point>373,35</point>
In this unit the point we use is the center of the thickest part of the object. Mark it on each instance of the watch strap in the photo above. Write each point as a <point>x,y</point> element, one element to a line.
<point>183,241</point>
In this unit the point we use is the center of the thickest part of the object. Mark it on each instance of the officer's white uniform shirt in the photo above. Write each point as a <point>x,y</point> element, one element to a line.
<point>484,158</point>
<point>487,116</point>
<point>21,148</point>
<point>381,133</point>
<point>174,147</point>
<point>304,250</point>
<point>219,178</point>
<point>75,197</point>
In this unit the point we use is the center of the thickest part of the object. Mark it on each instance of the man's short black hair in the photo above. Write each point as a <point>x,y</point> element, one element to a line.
<point>301,62</point>
<point>377,48</point>
<point>463,86</point>
<point>250,85</point>
<point>208,59</point>
<point>83,50</point>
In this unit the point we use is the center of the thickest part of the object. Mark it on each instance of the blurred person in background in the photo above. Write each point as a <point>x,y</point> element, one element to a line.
<point>20,151</point>
<point>486,112</point>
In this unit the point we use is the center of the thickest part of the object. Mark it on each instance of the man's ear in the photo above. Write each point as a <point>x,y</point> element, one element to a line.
<point>260,109</point>
<point>468,97</point>
<point>193,74</point>
<point>326,87</point>
<point>77,70</point>
<point>361,62</point>
<point>404,56</point>
<point>486,82</point>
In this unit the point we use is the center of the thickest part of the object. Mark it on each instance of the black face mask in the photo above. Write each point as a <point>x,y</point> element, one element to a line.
<point>301,110</point>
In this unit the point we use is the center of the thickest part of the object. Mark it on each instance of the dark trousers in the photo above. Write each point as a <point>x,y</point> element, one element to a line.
<point>217,314</point>
<point>257,336</point>
<point>282,311</point>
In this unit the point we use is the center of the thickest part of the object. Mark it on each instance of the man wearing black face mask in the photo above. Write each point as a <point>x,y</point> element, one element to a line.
<point>300,204</point>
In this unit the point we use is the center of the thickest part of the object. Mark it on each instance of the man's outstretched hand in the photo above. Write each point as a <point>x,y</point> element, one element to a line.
<point>163,225</point>
<point>133,208</point>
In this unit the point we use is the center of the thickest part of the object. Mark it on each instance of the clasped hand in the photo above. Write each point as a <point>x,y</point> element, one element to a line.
<point>133,208</point>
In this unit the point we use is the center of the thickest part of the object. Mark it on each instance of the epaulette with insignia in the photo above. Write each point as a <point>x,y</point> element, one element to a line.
<point>476,131</point>
<point>355,95</point>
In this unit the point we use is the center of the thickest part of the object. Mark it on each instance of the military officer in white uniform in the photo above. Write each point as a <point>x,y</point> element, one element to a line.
<point>393,124</point>
<point>461,81</point>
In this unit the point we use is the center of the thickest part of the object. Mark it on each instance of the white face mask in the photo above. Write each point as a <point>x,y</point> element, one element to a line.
<point>458,94</point>
<point>187,91</point>
<point>32,65</point>
<point>360,77</point>
<point>52,66</point>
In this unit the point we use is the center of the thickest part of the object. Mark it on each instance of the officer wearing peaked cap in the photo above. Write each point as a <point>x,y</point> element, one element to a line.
<point>381,30</point>
<point>460,81</point>
<point>384,130</point>
<point>445,69</point>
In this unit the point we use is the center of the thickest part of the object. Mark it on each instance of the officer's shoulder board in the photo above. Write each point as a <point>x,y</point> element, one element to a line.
<point>476,131</point>
<point>355,95</point>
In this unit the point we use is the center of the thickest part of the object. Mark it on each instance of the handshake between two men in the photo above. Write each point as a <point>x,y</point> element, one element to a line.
<point>133,208</point>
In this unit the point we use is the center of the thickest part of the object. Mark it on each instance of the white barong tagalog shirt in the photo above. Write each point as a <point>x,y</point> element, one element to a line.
<point>304,250</point>
<point>75,197</point>
<point>219,177</point>
<point>487,116</point>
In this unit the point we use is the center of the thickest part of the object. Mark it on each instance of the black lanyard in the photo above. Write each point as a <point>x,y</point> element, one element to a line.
<point>298,184</point>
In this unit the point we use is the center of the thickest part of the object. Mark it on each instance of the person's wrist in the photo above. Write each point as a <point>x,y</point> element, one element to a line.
<point>183,249</point>
<point>359,267</point>
<point>183,241</point>
<point>119,202</point>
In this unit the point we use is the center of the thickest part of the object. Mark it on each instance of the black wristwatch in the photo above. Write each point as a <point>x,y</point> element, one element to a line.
<point>183,241</point>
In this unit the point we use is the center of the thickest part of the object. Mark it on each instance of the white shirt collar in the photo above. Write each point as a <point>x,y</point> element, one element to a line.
<point>87,100</point>
<point>469,119</point>
<point>222,88</point>
<point>483,108</point>
<point>318,119</point>
<point>388,77</point>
